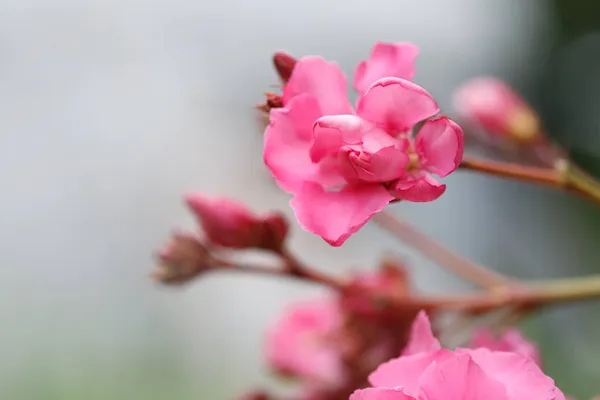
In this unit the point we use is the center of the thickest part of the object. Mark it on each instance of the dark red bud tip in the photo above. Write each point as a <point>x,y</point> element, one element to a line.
<point>284,64</point>
<point>273,100</point>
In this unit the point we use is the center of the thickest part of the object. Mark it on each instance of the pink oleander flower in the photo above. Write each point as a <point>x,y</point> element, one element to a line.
<point>490,104</point>
<point>228,223</point>
<point>432,373</point>
<point>344,165</point>
<point>304,343</point>
<point>512,340</point>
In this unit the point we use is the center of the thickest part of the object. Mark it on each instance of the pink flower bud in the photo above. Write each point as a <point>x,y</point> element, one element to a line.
<point>492,105</point>
<point>273,100</point>
<point>228,223</point>
<point>367,293</point>
<point>284,64</point>
<point>182,258</point>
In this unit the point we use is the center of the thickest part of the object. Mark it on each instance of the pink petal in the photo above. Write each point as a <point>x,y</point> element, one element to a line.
<point>382,166</point>
<point>381,394</point>
<point>421,337</point>
<point>332,131</point>
<point>386,60</point>
<point>396,105</point>
<point>322,79</point>
<point>298,343</point>
<point>512,341</point>
<point>440,144</point>
<point>286,145</point>
<point>461,378</point>
<point>336,215</point>
<point>521,376</point>
<point>406,371</point>
<point>419,189</point>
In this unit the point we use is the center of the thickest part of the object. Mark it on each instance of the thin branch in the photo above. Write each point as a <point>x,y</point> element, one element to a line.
<point>461,266</point>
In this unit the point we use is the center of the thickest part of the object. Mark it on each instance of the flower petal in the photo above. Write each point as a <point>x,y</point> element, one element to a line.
<point>322,79</point>
<point>419,189</point>
<point>521,376</point>
<point>396,105</point>
<point>405,371</point>
<point>460,378</point>
<point>381,394</point>
<point>336,215</point>
<point>421,337</point>
<point>382,166</point>
<point>287,141</point>
<point>333,131</point>
<point>512,340</point>
<point>440,145</point>
<point>386,60</point>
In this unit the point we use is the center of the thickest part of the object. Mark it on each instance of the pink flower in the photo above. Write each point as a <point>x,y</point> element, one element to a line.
<point>344,166</point>
<point>228,223</point>
<point>465,374</point>
<point>490,104</point>
<point>303,343</point>
<point>512,340</point>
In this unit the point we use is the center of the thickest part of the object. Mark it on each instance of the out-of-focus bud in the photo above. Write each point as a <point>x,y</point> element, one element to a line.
<point>273,100</point>
<point>228,223</point>
<point>490,104</point>
<point>368,293</point>
<point>284,64</point>
<point>275,230</point>
<point>181,259</point>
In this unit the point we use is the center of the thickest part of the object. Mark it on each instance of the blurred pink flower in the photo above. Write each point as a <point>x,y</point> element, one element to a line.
<point>303,343</point>
<point>344,166</point>
<point>512,341</point>
<point>490,104</point>
<point>228,223</point>
<point>466,374</point>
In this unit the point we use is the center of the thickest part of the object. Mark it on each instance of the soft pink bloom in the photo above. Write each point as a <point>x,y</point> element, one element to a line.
<point>490,104</point>
<point>228,223</point>
<point>465,374</point>
<point>303,343</point>
<point>512,340</point>
<point>343,165</point>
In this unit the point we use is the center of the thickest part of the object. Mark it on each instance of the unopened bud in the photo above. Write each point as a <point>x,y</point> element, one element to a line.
<point>273,100</point>
<point>370,292</point>
<point>275,230</point>
<point>284,64</point>
<point>492,105</point>
<point>181,259</point>
<point>228,223</point>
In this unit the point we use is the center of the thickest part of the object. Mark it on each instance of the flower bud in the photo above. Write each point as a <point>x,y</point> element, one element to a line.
<point>492,105</point>
<point>273,100</point>
<point>284,64</point>
<point>182,258</point>
<point>228,223</point>
<point>390,280</point>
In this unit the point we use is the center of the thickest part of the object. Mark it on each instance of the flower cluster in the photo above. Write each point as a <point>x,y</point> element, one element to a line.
<point>344,164</point>
<point>370,337</point>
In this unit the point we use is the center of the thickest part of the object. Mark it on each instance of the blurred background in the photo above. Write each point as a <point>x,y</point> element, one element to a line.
<point>110,110</point>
